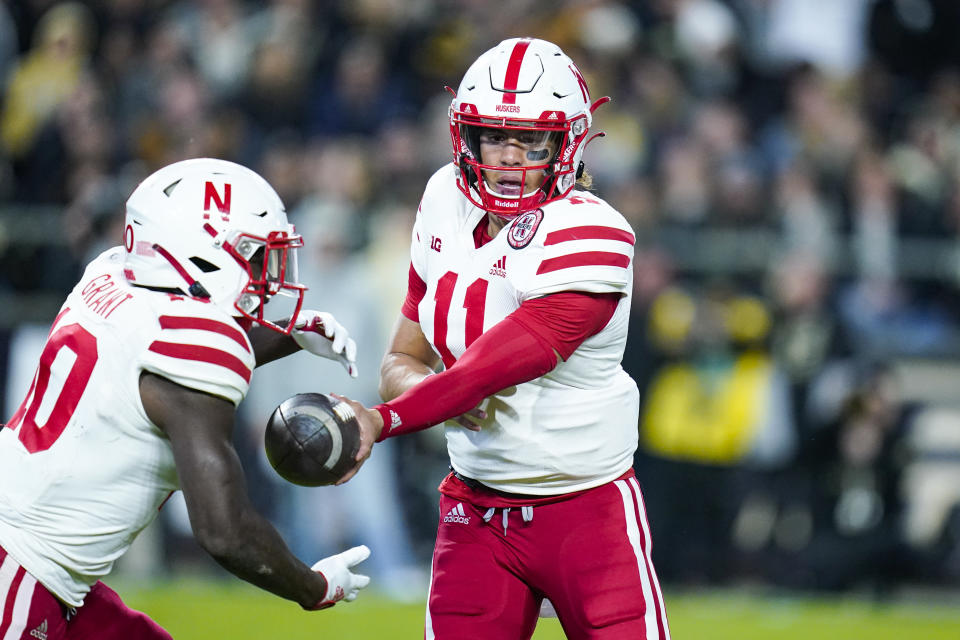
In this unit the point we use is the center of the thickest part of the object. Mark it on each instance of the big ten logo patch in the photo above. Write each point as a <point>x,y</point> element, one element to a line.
<point>435,243</point>
<point>523,229</point>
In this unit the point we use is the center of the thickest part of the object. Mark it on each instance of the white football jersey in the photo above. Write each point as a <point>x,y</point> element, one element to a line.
<point>575,427</point>
<point>82,468</point>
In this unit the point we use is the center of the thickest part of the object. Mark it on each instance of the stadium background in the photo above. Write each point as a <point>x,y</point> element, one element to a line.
<point>792,171</point>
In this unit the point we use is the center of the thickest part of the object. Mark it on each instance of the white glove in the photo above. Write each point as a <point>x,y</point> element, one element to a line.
<point>319,333</point>
<point>342,584</point>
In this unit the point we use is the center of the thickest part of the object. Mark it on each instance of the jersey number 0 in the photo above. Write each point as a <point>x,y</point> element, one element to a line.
<point>40,437</point>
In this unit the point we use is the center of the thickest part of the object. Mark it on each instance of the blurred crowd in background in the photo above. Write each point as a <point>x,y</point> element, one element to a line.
<point>791,169</point>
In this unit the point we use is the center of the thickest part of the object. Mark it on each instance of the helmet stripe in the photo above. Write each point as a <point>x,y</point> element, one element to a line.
<point>582,83</point>
<point>183,272</point>
<point>513,71</point>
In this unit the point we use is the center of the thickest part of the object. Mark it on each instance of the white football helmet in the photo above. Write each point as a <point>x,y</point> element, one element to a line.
<point>529,87</point>
<point>213,230</point>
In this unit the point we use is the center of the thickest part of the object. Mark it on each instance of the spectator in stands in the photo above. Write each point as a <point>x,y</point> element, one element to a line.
<point>8,46</point>
<point>359,95</point>
<point>41,82</point>
<point>853,470</point>
<point>719,405</point>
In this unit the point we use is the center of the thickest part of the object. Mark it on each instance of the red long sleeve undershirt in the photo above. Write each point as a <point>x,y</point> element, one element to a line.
<point>520,348</point>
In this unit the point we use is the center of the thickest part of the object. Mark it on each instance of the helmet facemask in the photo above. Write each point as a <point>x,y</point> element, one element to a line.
<point>271,265</point>
<point>545,147</point>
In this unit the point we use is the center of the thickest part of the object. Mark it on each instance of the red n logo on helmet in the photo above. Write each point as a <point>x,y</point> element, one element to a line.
<point>210,195</point>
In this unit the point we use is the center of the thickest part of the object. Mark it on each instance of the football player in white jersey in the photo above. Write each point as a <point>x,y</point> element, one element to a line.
<point>520,285</point>
<point>134,398</point>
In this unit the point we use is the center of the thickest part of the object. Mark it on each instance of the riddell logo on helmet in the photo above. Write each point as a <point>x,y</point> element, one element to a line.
<point>507,203</point>
<point>512,108</point>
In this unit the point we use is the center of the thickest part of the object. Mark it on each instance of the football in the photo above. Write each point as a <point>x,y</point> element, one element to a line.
<point>311,439</point>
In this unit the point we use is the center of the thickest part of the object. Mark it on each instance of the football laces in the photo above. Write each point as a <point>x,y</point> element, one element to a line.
<point>344,412</point>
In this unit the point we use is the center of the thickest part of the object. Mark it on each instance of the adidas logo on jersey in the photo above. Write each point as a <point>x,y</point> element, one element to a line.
<point>40,632</point>
<point>499,268</point>
<point>457,515</point>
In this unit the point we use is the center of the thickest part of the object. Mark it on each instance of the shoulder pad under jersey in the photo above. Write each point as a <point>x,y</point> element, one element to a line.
<point>198,346</point>
<point>584,245</point>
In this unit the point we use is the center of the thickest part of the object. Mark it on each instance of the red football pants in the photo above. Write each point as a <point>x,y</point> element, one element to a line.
<point>589,554</point>
<point>29,612</point>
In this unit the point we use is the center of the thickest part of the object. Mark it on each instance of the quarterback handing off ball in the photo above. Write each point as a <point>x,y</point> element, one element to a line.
<point>311,439</point>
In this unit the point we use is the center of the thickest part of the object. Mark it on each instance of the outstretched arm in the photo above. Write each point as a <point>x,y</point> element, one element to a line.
<point>409,361</point>
<point>224,521</point>
<point>523,346</point>
<point>506,355</point>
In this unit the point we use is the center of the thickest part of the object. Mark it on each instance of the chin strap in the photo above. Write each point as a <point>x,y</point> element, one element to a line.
<point>195,289</point>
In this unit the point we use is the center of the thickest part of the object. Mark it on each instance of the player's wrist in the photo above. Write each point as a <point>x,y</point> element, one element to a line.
<point>312,602</point>
<point>317,606</point>
<point>384,419</point>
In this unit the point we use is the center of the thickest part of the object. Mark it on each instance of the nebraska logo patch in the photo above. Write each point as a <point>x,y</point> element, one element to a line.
<point>523,229</point>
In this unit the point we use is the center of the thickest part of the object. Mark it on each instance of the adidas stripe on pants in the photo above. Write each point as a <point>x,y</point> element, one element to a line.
<point>29,612</point>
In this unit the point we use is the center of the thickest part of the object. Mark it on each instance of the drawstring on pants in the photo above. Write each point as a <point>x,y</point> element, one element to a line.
<point>526,513</point>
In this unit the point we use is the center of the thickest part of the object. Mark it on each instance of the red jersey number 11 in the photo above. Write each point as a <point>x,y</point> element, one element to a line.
<point>475,301</point>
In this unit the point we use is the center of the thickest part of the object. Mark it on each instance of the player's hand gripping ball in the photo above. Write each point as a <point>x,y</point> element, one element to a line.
<point>312,439</point>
